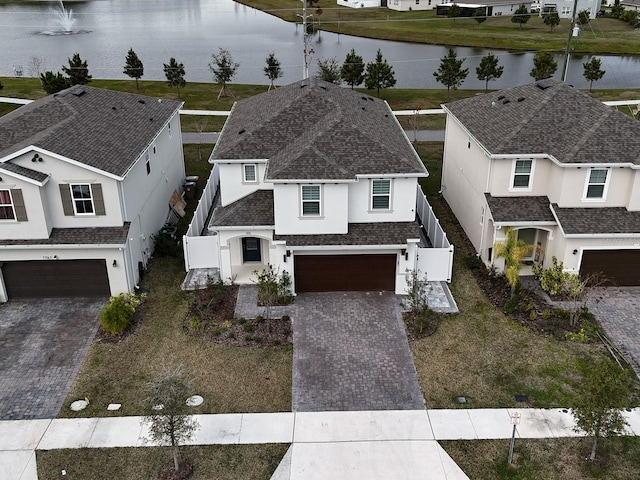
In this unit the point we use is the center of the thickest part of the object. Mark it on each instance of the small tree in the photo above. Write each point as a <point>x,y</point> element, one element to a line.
<point>224,69</point>
<point>480,15</point>
<point>168,421</point>
<point>133,67</point>
<point>54,82</point>
<point>174,72</point>
<point>379,74</point>
<point>450,72</point>
<point>454,12</point>
<point>489,69</point>
<point>352,70</point>
<point>544,66</point>
<point>552,19</point>
<point>602,395</point>
<point>584,17</point>
<point>329,70</point>
<point>521,15</point>
<point>274,288</point>
<point>272,70</point>
<point>592,71</point>
<point>78,70</point>
<point>35,66</point>
<point>513,251</point>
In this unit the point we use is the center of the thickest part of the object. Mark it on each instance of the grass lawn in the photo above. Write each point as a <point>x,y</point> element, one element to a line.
<point>604,35</point>
<point>548,459</point>
<point>220,462</point>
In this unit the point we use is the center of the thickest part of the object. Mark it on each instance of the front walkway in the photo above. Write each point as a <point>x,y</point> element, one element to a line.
<point>392,445</point>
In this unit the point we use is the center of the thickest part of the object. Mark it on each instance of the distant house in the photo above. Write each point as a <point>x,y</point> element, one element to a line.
<point>630,4</point>
<point>558,166</point>
<point>493,7</point>
<point>565,7</point>
<point>86,177</point>
<point>363,3</point>
<point>408,5</point>
<point>321,182</point>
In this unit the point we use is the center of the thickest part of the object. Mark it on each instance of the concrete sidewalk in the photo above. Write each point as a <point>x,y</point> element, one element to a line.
<point>397,444</point>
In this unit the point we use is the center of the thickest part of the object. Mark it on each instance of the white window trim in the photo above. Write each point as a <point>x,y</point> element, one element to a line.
<point>10,204</point>
<point>513,175</point>
<point>604,191</point>
<point>244,172</point>
<point>73,201</point>
<point>371,195</point>
<point>319,201</point>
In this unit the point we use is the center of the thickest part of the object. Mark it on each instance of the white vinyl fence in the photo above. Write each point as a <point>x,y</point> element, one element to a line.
<point>200,251</point>
<point>436,262</point>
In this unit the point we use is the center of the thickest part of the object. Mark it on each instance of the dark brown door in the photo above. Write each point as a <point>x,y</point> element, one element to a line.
<point>56,278</point>
<point>620,267</point>
<point>336,273</point>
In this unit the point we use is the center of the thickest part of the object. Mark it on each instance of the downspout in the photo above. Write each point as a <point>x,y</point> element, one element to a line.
<point>486,208</point>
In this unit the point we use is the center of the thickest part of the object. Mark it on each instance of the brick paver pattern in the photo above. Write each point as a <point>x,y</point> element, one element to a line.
<point>42,345</point>
<point>351,353</point>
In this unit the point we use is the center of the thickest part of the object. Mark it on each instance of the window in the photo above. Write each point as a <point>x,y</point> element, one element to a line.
<point>566,11</point>
<point>250,173</point>
<point>381,195</point>
<point>82,199</point>
<point>310,200</point>
<point>6,206</point>
<point>522,173</point>
<point>596,183</point>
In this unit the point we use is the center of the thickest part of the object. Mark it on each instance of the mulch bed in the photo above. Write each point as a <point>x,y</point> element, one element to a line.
<point>211,316</point>
<point>169,472</point>
<point>104,337</point>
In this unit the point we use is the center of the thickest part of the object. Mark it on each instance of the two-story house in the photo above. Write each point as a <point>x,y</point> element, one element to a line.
<point>560,167</point>
<point>86,177</point>
<point>318,181</point>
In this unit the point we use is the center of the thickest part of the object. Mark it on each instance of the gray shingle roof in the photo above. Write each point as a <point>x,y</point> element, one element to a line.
<point>23,171</point>
<point>315,130</point>
<point>606,220</point>
<point>520,209</point>
<point>79,236</point>
<point>558,120</point>
<point>388,233</point>
<point>101,128</point>
<point>253,210</point>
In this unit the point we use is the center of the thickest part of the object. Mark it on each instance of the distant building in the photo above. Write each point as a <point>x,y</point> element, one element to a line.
<point>408,5</point>
<point>494,7</point>
<point>363,3</point>
<point>565,7</point>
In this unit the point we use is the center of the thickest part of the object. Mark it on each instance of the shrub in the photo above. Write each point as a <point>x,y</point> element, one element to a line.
<point>286,318</point>
<point>242,320</point>
<point>216,331</point>
<point>259,319</point>
<point>116,317</point>
<point>553,280</point>
<point>247,327</point>
<point>273,288</point>
<point>231,335</point>
<point>194,323</point>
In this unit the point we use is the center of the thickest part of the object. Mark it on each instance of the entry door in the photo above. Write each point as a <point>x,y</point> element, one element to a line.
<point>251,249</point>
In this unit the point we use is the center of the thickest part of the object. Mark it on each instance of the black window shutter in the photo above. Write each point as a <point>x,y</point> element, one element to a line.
<point>98,199</point>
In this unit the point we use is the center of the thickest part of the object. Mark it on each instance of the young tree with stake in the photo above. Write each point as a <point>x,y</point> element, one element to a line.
<point>224,69</point>
<point>174,72</point>
<point>489,69</point>
<point>450,72</point>
<point>272,70</point>
<point>133,66</point>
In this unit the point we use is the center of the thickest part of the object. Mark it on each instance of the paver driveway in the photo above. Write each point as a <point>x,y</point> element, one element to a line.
<point>351,353</point>
<point>618,310</point>
<point>42,344</point>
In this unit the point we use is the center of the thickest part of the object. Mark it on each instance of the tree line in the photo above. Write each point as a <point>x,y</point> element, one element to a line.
<point>353,71</point>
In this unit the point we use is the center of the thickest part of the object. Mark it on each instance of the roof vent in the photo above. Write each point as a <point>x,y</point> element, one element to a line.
<point>364,98</point>
<point>370,99</point>
<point>303,85</point>
<point>141,101</point>
<point>363,108</point>
<point>521,99</point>
<point>505,101</point>
<point>151,119</point>
<point>501,97</point>
<point>78,91</point>
<point>322,87</point>
<point>241,131</point>
<point>113,108</point>
<point>386,115</point>
<point>544,84</point>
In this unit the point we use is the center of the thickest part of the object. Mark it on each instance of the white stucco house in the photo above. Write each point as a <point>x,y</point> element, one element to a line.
<point>492,7</point>
<point>409,5</point>
<point>565,7</point>
<point>86,176</point>
<point>321,182</point>
<point>558,166</point>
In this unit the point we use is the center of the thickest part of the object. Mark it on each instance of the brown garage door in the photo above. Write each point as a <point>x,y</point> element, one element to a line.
<point>621,267</point>
<point>335,273</point>
<point>56,278</point>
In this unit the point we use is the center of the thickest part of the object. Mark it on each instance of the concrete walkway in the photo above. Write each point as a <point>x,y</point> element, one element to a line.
<point>356,445</point>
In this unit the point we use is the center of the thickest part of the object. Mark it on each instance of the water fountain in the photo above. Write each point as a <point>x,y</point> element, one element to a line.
<point>65,21</point>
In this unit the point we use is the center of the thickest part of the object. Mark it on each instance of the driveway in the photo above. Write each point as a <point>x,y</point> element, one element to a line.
<point>618,309</point>
<point>351,353</point>
<point>42,344</point>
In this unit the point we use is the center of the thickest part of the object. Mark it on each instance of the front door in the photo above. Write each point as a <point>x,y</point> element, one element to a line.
<point>251,249</point>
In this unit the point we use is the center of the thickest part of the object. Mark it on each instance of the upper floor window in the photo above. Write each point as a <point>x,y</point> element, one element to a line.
<point>522,170</point>
<point>381,194</point>
<point>82,199</point>
<point>596,183</point>
<point>310,199</point>
<point>6,206</point>
<point>566,11</point>
<point>250,173</point>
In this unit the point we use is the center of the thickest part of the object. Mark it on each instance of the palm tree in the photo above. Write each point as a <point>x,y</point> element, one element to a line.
<point>513,251</point>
